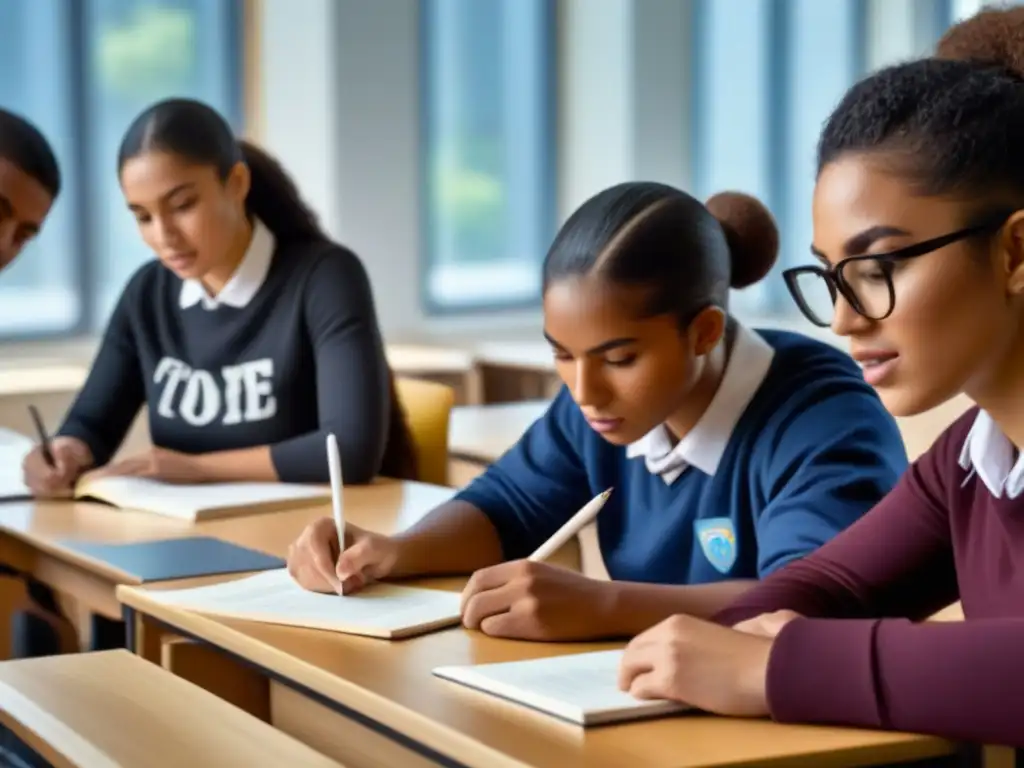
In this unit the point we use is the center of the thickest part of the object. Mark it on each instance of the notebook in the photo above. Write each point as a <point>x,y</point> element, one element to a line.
<point>205,501</point>
<point>581,688</point>
<point>13,449</point>
<point>380,610</point>
<point>184,558</point>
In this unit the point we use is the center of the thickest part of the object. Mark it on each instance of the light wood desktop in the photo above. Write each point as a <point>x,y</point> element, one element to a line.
<point>482,433</point>
<point>359,699</point>
<point>32,534</point>
<point>110,709</point>
<point>516,370</point>
<point>369,702</point>
<point>455,367</point>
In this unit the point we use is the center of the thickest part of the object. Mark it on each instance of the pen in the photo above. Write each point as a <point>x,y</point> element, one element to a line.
<point>44,439</point>
<point>337,502</point>
<point>576,523</point>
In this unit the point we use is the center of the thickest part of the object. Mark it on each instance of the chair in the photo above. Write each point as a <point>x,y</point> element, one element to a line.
<point>428,406</point>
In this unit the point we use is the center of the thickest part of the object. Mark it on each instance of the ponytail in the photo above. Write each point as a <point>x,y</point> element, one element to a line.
<point>196,132</point>
<point>275,200</point>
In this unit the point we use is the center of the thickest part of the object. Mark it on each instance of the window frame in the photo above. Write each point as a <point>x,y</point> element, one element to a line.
<point>77,169</point>
<point>546,203</point>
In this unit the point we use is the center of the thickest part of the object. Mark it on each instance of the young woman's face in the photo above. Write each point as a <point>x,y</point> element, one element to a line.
<point>24,204</point>
<point>186,214</point>
<point>627,373</point>
<point>953,318</point>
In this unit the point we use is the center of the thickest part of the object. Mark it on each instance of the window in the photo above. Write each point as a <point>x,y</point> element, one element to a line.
<point>766,77</point>
<point>39,292</point>
<point>488,118</point>
<point>732,57</point>
<point>82,71</point>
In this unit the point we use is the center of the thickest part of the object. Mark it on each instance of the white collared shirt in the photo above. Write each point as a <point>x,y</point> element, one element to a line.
<point>244,284</point>
<point>991,455</point>
<point>703,446</point>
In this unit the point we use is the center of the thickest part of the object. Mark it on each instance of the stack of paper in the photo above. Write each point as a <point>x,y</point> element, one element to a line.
<point>581,688</point>
<point>379,610</point>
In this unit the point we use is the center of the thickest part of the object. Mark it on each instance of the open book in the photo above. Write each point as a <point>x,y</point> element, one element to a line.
<point>206,501</point>
<point>581,688</point>
<point>380,610</point>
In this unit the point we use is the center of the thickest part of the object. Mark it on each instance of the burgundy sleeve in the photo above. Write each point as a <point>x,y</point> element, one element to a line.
<point>958,680</point>
<point>895,561</point>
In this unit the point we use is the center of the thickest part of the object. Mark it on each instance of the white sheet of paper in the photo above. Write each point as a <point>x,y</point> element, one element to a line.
<point>187,501</point>
<point>274,597</point>
<point>14,446</point>
<point>582,687</point>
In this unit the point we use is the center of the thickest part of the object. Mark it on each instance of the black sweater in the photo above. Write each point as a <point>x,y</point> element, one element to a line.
<point>303,358</point>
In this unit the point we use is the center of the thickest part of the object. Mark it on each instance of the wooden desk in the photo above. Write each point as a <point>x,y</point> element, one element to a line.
<point>369,702</point>
<point>111,709</point>
<point>516,370</point>
<point>482,433</point>
<point>32,534</point>
<point>454,367</point>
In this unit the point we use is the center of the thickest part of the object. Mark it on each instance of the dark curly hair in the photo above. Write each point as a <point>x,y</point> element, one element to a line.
<point>951,124</point>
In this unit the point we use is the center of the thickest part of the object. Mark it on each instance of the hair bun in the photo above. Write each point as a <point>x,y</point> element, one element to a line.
<point>993,36</point>
<point>751,233</point>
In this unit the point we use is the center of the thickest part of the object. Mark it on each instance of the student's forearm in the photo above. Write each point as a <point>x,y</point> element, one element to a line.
<point>241,465</point>
<point>636,607</point>
<point>455,538</point>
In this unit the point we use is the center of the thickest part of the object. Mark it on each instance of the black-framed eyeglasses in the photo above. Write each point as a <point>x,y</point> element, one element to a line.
<point>866,281</point>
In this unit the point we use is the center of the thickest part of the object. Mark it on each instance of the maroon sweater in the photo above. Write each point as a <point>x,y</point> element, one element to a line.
<point>939,535</point>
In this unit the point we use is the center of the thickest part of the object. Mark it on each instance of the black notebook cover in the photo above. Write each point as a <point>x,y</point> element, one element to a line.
<point>185,558</point>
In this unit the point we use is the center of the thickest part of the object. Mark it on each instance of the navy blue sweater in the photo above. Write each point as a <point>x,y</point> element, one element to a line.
<point>812,452</point>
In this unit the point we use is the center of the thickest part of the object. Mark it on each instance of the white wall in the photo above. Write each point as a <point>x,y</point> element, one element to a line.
<point>340,108</point>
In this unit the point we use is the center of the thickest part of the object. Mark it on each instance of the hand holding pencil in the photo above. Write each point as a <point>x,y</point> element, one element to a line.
<point>53,466</point>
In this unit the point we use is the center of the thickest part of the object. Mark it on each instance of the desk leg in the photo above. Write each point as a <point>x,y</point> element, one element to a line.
<point>128,614</point>
<point>142,636</point>
<point>218,673</point>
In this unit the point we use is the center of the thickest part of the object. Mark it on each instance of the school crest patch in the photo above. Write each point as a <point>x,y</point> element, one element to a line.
<point>717,537</point>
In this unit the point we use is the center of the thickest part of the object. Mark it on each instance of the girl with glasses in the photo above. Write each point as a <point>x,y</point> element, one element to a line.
<point>919,234</point>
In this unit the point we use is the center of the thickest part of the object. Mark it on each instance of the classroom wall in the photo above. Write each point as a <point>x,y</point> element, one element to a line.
<point>339,105</point>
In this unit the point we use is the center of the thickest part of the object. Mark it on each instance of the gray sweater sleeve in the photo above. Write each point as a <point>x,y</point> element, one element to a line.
<point>114,391</point>
<point>351,375</point>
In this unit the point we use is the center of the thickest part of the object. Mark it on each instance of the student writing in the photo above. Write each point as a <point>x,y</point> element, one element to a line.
<point>731,451</point>
<point>249,337</point>
<point>919,226</point>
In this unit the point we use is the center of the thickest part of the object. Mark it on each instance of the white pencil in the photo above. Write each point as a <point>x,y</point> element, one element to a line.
<point>337,498</point>
<point>576,523</point>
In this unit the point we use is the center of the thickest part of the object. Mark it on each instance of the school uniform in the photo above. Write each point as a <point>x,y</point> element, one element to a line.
<point>953,528</point>
<point>288,351</point>
<point>793,448</point>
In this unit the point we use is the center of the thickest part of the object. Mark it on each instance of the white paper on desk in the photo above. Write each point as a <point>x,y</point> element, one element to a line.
<point>581,688</point>
<point>273,597</point>
<point>14,446</point>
